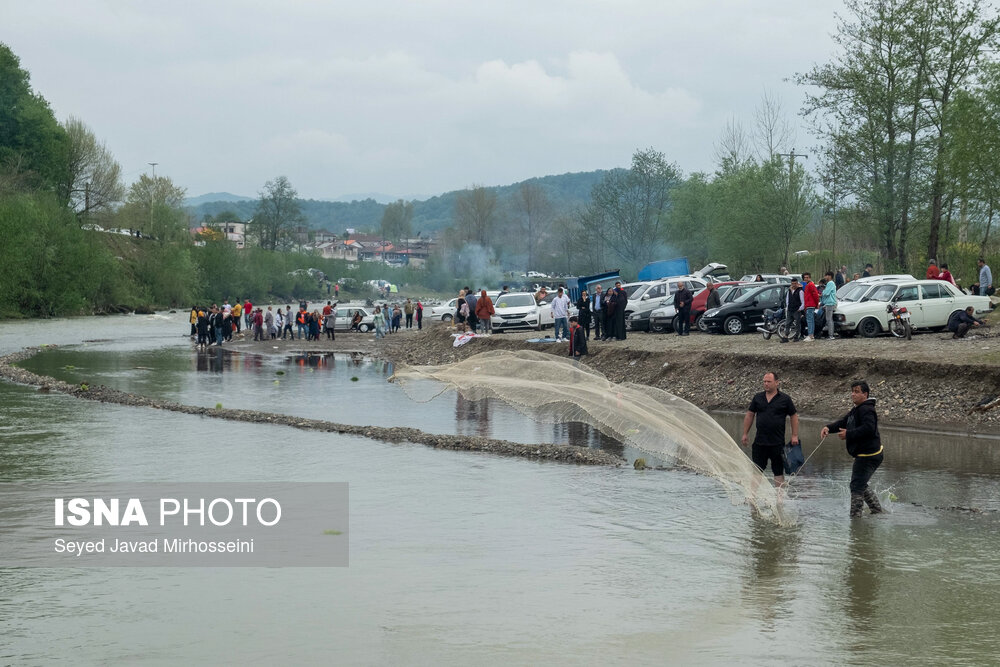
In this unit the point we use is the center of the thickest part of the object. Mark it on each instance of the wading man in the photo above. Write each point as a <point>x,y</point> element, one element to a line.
<point>770,407</point>
<point>859,430</point>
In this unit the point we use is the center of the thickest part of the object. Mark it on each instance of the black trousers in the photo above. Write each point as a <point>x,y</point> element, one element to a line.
<point>862,471</point>
<point>598,323</point>
<point>409,320</point>
<point>685,320</point>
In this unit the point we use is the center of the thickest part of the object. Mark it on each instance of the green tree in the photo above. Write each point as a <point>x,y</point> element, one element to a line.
<point>476,216</point>
<point>32,144</point>
<point>396,221</point>
<point>92,183</point>
<point>278,213</point>
<point>632,205</point>
<point>155,207</point>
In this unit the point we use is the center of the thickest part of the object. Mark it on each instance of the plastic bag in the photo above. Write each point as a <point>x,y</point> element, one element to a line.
<point>792,457</point>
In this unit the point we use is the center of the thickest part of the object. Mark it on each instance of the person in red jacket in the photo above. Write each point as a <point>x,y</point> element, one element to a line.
<point>932,270</point>
<point>810,299</point>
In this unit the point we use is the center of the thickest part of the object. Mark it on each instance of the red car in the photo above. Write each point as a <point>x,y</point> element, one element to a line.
<point>728,291</point>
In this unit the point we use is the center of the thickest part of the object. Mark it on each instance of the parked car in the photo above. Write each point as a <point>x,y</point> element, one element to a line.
<point>929,302</point>
<point>746,312</point>
<point>770,278</point>
<point>545,311</point>
<point>516,310</point>
<point>444,312</point>
<point>662,319</point>
<point>345,315</point>
<point>644,297</point>
<point>657,295</point>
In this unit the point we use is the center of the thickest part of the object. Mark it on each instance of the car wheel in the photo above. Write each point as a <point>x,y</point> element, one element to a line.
<point>364,328</point>
<point>675,324</point>
<point>700,323</point>
<point>733,325</point>
<point>446,317</point>
<point>869,327</point>
<point>656,328</point>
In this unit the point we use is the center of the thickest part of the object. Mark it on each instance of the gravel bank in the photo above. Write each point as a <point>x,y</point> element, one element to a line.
<point>102,394</point>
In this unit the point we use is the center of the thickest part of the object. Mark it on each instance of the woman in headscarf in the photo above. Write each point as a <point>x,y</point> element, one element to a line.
<point>485,311</point>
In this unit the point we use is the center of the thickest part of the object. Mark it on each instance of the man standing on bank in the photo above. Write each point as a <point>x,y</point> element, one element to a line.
<point>770,407</point>
<point>859,430</point>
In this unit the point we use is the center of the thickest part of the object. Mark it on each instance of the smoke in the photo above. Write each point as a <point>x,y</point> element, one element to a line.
<point>476,266</point>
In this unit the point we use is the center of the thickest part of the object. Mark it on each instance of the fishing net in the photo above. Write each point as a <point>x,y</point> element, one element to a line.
<point>558,390</point>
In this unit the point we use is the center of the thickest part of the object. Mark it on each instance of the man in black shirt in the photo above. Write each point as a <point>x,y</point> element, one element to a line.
<point>770,407</point>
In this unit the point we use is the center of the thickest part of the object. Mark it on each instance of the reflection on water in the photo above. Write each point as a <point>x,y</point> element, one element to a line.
<point>457,556</point>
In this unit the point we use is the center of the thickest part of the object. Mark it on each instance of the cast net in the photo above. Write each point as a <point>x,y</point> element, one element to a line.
<point>558,390</point>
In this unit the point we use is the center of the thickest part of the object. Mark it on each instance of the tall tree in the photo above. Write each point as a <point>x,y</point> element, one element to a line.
<point>865,94</point>
<point>961,33</point>
<point>633,204</point>
<point>155,208</point>
<point>396,221</point>
<point>533,213</point>
<point>32,144</point>
<point>92,182</point>
<point>476,215</point>
<point>277,214</point>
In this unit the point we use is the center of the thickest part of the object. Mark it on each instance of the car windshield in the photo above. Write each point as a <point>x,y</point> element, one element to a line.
<point>750,296</point>
<point>632,290</point>
<point>515,301</point>
<point>882,293</point>
<point>852,291</point>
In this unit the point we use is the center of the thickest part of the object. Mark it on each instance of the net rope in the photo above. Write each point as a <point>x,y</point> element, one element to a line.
<point>553,389</point>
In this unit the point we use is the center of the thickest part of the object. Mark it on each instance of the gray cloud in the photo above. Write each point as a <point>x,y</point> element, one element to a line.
<point>410,97</point>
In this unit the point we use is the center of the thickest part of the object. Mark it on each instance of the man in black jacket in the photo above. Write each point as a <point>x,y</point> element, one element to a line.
<point>682,306</point>
<point>961,321</point>
<point>859,430</point>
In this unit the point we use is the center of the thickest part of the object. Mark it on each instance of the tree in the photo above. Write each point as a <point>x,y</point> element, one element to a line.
<point>633,204</point>
<point>278,213</point>
<point>155,207</point>
<point>865,94</point>
<point>92,182</point>
<point>960,33</point>
<point>32,144</point>
<point>396,220</point>
<point>476,215</point>
<point>533,213</point>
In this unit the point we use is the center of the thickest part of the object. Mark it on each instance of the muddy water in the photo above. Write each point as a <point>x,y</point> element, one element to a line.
<point>459,557</point>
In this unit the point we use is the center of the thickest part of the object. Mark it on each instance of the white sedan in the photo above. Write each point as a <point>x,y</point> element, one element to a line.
<point>445,312</point>
<point>929,302</point>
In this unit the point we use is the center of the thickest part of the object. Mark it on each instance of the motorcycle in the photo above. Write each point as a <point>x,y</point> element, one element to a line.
<point>774,323</point>
<point>899,321</point>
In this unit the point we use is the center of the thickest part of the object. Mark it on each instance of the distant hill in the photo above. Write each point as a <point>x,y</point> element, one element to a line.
<point>565,191</point>
<point>215,196</point>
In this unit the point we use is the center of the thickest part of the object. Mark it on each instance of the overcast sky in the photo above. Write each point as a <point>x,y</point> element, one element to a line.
<point>411,97</point>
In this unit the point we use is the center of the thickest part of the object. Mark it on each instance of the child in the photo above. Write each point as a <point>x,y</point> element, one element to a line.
<point>577,339</point>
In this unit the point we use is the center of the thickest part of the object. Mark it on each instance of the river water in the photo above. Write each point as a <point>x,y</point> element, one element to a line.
<point>459,557</point>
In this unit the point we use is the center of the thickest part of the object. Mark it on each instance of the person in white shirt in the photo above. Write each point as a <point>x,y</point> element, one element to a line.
<point>560,315</point>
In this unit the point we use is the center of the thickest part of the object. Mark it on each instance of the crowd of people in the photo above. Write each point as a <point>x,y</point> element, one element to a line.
<point>214,325</point>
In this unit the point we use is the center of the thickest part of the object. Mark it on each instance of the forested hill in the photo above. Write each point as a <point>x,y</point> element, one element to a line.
<point>564,191</point>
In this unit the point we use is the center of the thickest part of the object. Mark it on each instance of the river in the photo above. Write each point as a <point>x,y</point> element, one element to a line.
<point>458,557</point>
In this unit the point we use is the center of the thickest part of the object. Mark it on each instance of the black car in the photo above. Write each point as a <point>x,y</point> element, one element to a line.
<point>745,313</point>
<point>639,321</point>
